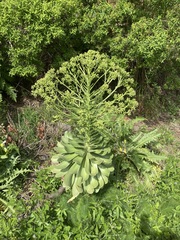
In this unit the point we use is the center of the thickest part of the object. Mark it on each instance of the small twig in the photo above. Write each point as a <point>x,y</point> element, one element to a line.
<point>56,193</point>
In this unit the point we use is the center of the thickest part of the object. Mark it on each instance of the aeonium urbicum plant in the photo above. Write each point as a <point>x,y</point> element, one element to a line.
<point>88,92</point>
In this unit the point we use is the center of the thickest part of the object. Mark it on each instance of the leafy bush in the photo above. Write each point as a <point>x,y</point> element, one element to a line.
<point>33,36</point>
<point>29,28</point>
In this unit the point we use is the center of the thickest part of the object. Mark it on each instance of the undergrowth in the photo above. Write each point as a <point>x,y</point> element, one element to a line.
<point>124,209</point>
<point>116,212</point>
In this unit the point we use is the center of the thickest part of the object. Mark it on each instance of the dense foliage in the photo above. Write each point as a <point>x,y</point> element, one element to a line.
<point>143,36</point>
<point>75,160</point>
<point>116,212</point>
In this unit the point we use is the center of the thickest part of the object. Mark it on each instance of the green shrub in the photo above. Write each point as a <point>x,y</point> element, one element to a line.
<point>28,28</point>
